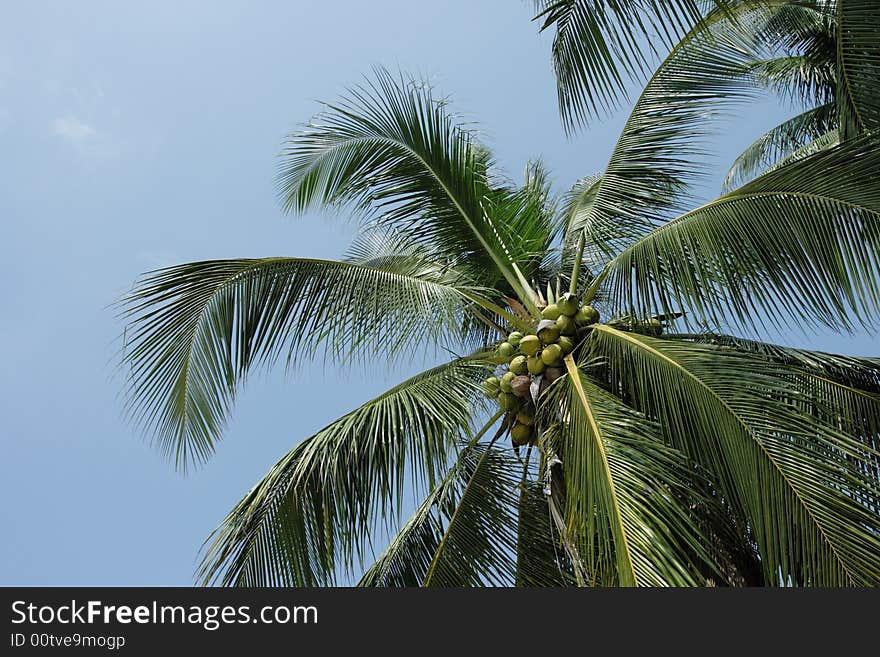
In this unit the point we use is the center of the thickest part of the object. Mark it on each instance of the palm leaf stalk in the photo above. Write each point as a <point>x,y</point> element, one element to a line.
<point>665,455</point>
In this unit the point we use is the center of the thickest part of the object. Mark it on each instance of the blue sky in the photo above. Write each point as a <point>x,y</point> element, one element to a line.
<point>137,135</point>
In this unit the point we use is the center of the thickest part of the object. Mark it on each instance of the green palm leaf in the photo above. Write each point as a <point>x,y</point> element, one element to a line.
<point>478,546</point>
<point>829,140</point>
<point>387,251</point>
<point>571,222</point>
<point>196,329</point>
<point>858,371</point>
<point>315,511</point>
<point>541,559</point>
<point>625,490</point>
<point>802,37</point>
<point>599,44</point>
<point>858,62</point>
<point>660,152</point>
<point>779,142</point>
<point>799,243</point>
<point>393,150</point>
<point>801,78</point>
<point>477,527</point>
<point>523,218</point>
<point>408,556</point>
<point>800,485</point>
<point>843,392</point>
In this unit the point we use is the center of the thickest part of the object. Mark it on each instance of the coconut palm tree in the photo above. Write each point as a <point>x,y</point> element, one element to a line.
<point>599,424</point>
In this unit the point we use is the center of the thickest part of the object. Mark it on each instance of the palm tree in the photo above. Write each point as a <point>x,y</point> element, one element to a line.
<point>650,447</point>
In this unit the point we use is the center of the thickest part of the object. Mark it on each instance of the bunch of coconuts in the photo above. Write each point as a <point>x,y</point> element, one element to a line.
<point>534,361</point>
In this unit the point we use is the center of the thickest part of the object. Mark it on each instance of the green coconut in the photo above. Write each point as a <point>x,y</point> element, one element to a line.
<point>654,327</point>
<point>548,331</point>
<point>521,434</point>
<point>514,338</point>
<point>530,345</point>
<point>536,365</point>
<point>568,304</point>
<point>519,365</point>
<point>566,344</point>
<point>552,356</point>
<point>491,387</point>
<point>550,312</point>
<point>508,401</point>
<point>525,417</point>
<point>506,383</point>
<point>521,386</point>
<point>565,325</point>
<point>506,350</point>
<point>586,315</point>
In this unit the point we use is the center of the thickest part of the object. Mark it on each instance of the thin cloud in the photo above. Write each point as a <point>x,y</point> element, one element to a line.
<point>72,129</point>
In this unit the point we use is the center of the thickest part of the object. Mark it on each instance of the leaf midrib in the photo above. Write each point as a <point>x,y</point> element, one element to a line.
<point>574,375</point>
<point>620,334</point>
<point>841,65</point>
<point>617,154</point>
<point>509,276</point>
<point>729,198</point>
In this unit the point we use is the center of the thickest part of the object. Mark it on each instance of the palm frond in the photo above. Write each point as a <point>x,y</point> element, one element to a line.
<point>829,140</point>
<point>393,150</point>
<point>599,45</point>
<point>863,372</point>
<point>799,243</point>
<point>483,316</point>
<point>802,26</point>
<point>779,142</point>
<point>316,510</point>
<point>575,205</point>
<point>858,64</point>
<point>625,489</point>
<point>843,392</point>
<point>801,486</point>
<point>195,330</point>
<point>407,558</point>
<point>465,531</point>
<point>570,222</point>
<point>802,79</point>
<point>803,39</point>
<point>523,218</point>
<point>478,546</point>
<point>661,152</point>
<point>540,557</point>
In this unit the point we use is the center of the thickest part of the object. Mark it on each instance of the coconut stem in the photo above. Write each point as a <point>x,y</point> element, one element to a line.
<point>576,271</point>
